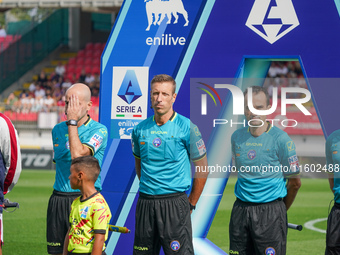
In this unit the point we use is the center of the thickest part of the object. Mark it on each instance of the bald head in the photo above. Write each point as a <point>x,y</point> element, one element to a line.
<point>81,90</point>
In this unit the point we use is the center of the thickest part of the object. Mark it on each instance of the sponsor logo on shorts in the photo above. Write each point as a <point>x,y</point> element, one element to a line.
<point>175,245</point>
<point>233,252</point>
<point>270,251</point>
<point>157,142</point>
<point>251,154</point>
<point>139,248</point>
<point>67,145</point>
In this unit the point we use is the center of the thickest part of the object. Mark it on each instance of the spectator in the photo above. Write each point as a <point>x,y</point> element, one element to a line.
<point>38,104</point>
<point>2,32</point>
<point>32,86</point>
<point>89,78</point>
<point>82,75</point>
<point>49,102</point>
<point>60,69</point>
<point>42,79</point>
<point>66,85</point>
<point>12,102</point>
<point>39,91</point>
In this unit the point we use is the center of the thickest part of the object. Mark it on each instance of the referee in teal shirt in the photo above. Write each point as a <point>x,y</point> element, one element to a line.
<point>163,146</point>
<point>333,221</point>
<point>265,158</point>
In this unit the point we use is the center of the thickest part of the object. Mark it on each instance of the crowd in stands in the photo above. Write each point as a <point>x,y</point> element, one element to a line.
<point>47,92</point>
<point>285,74</point>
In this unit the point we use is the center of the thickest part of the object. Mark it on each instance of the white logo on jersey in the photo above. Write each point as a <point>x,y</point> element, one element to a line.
<point>272,19</point>
<point>160,9</point>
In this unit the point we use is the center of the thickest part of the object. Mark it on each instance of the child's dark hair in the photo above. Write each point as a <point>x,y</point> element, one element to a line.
<point>87,164</point>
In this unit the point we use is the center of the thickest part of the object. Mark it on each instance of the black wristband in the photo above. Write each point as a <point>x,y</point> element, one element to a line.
<point>192,207</point>
<point>71,123</point>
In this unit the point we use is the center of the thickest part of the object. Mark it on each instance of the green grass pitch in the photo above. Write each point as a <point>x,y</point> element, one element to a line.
<point>24,229</point>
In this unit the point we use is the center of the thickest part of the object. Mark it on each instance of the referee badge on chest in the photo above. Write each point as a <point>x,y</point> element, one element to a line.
<point>157,142</point>
<point>251,154</point>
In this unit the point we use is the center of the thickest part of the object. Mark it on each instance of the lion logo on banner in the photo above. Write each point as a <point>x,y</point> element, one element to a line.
<point>159,9</point>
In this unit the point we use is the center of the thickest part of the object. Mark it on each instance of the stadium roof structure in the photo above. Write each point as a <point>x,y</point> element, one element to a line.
<point>86,4</point>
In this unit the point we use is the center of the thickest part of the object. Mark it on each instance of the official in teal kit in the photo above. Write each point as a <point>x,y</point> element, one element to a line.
<point>333,222</point>
<point>267,183</point>
<point>78,136</point>
<point>163,146</point>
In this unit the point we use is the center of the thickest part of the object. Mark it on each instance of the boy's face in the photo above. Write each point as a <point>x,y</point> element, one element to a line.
<point>74,178</point>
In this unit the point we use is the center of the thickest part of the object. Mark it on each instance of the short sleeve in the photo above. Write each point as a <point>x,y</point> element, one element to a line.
<point>135,144</point>
<point>101,217</point>
<point>287,156</point>
<point>197,146</point>
<point>97,139</point>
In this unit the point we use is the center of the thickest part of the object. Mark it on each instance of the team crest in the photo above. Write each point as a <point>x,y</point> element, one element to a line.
<point>157,142</point>
<point>175,245</point>
<point>270,251</point>
<point>251,154</point>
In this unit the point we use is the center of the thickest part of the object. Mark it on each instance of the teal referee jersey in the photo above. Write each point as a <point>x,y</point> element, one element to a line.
<point>263,162</point>
<point>165,152</point>
<point>333,161</point>
<point>91,134</point>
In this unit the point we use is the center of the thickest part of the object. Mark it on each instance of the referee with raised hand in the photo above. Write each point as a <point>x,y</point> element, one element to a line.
<point>265,158</point>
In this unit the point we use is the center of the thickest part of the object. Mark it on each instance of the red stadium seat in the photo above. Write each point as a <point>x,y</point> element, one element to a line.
<point>88,69</point>
<point>98,46</point>
<point>81,53</point>
<point>80,61</point>
<point>97,53</point>
<point>95,70</point>
<point>96,61</point>
<point>88,61</point>
<point>72,61</point>
<point>88,53</point>
<point>89,46</point>
<point>70,68</point>
<point>9,38</point>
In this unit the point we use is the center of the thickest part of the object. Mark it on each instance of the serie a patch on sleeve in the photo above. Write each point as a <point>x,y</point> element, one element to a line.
<point>201,147</point>
<point>294,163</point>
<point>96,141</point>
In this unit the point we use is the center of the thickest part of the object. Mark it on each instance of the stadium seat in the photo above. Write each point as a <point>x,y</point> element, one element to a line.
<point>97,53</point>
<point>88,53</point>
<point>98,46</point>
<point>81,53</point>
<point>88,69</point>
<point>95,70</point>
<point>80,61</point>
<point>89,46</point>
<point>88,61</point>
<point>72,61</point>
<point>70,68</point>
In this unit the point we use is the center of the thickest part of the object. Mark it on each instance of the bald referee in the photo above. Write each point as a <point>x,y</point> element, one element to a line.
<point>258,223</point>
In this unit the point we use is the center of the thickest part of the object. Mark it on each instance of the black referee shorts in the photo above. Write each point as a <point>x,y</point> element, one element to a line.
<point>333,231</point>
<point>163,221</point>
<point>58,213</point>
<point>258,228</point>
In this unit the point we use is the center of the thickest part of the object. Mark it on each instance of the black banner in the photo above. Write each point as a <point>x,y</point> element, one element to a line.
<point>37,159</point>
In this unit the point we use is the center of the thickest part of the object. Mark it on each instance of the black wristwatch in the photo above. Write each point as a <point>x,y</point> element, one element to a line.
<point>192,207</point>
<point>71,123</point>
